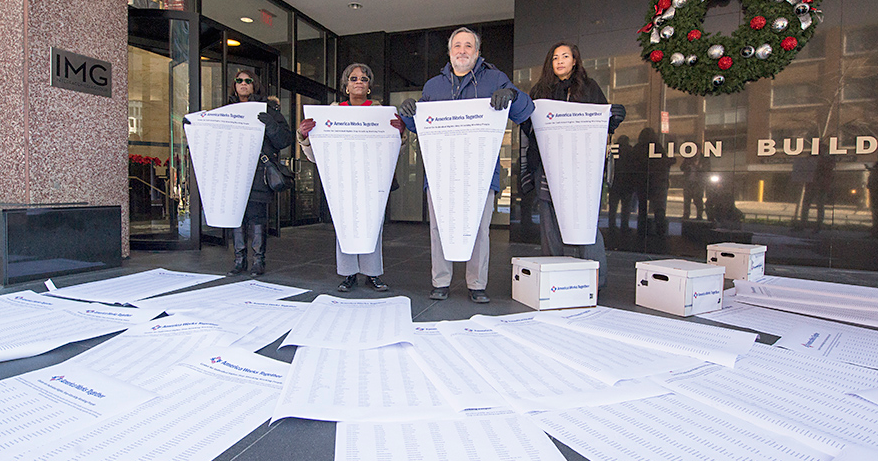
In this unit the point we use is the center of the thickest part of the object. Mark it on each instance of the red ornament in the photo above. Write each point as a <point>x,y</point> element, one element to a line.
<point>789,43</point>
<point>656,56</point>
<point>664,4</point>
<point>758,23</point>
<point>693,35</point>
<point>725,62</point>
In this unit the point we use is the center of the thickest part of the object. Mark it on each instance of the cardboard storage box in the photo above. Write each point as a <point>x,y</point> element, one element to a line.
<point>679,287</point>
<point>742,262</point>
<point>555,282</point>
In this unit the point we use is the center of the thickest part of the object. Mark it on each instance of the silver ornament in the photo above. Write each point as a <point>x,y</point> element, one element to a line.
<point>718,80</point>
<point>763,51</point>
<point>802,8</point>
<point>748,51</point>
<point>691,59</point>
<point>667,32</point>
<point>780,24</point>
<point>715,51</point>
<point>678,59</point>
<point>680,3</point>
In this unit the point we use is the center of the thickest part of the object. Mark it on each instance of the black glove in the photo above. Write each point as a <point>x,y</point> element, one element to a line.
<point>408,108</point>
<point>266,119</point>
<point>502,97</point>
<point>617,115</point>
<point>186,121</point>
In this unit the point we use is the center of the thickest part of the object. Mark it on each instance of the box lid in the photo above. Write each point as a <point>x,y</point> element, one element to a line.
<point>681,268</point>
<point>555,263</point>
<point>737,248</point>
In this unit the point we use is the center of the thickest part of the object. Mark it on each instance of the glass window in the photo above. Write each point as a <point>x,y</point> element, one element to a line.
<point>260,19</point>
<point>310,48</point>
<point>331,69</point>
<point>860,41</point>
<point>860,88</point>
<point>791,95</point>
<point>724,110</point>
<point>178,5</point>
<point>628,76</point>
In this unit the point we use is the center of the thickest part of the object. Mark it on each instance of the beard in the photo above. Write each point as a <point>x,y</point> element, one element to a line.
<point>463,66</point>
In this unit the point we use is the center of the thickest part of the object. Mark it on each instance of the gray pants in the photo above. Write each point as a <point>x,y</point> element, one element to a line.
<point>371,264</point>
<point>477,266</point>
<point>553,245</point>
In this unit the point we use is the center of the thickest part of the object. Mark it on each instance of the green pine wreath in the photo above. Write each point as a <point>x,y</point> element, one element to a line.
<point>688,59</point>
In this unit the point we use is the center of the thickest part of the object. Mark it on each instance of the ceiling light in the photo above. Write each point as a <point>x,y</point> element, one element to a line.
<point>355,5</point>
<point>246,19</point>
<point>232,42</point>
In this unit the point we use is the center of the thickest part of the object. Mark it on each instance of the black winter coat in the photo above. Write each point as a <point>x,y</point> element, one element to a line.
<point>277,136</point>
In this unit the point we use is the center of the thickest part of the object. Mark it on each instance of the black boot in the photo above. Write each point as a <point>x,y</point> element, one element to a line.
<point>239,236</point>
<point>259,240</point>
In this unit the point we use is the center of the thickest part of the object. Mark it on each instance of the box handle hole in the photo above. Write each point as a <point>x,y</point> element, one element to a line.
<point>525,271</point>
<point>662,277</point>
<point>727,255</point>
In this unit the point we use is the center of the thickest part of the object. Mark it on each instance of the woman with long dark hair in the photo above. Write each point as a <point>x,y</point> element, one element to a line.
<point>564,78</point>
<point>246,88</point>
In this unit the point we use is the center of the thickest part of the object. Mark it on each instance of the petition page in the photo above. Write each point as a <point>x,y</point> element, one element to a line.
<point>129,288</point>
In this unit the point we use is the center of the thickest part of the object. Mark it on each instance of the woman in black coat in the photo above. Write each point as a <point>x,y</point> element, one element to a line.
<point>564,78</point>
<point>246,88</point>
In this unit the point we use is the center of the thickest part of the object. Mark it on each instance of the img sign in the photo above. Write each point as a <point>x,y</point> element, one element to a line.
<point>76,72</point>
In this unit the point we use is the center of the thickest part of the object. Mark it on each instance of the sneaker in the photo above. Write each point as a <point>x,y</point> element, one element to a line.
<point>348,283</point>
<point>376,283</point>
<point>479,296</point>
<point>439,294</point>
<point>258,268</point>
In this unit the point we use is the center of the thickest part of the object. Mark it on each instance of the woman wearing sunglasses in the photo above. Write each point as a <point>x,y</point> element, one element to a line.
<point>246,87</point>
<point>356,81</point>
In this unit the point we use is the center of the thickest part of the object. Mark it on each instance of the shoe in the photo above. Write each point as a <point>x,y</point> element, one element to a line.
<point>258,268</point>
<point>239,238</point>
<point>240,267</point>
<point>439,294</point>
<point>479,296</point>
<point>376,283</point>
<point>348,283</point>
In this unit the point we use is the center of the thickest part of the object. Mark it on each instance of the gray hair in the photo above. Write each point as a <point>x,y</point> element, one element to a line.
<point>350,69</point>
<point>469,31</point>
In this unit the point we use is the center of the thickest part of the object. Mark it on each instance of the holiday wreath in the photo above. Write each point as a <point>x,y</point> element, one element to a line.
<point>691,60</point>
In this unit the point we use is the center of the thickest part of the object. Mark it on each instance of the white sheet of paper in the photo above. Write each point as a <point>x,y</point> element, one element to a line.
<point>858,346</point>
<point>339,323</point>
<point>43,405</point>
<point>356,150</point>
<point>789,393</point>
<point>868,394</point>
<point>129,288</point>
<point>811,291</point>
<point>148,349</point>
<point>381,384</point>
<point>460,142</point>
<point>573,145</point>
<point>601,358</point>
<point>530,380</point>
<point>270,319</point>
<point>207,298</point>
<point>456,379</point>
<point>703,342</point>
<point>207,404</point>
<point>814,308</point>
<point>224,144</point>
<point>33,323</point>
<point>501,437</point>
<point>669,427</point>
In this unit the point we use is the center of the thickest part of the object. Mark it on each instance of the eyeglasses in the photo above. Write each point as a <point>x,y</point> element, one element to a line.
<point>363,79</point>
<point>244,80</point>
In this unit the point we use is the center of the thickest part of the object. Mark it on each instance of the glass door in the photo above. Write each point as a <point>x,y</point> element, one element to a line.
<point>163,86</point>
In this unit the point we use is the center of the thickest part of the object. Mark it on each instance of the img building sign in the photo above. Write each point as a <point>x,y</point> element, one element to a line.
<point>76,72</point>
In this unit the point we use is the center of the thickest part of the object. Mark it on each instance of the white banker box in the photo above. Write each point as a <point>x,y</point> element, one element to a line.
<point>555,282</point>
<point>679,287</point>
<point>742,262</point>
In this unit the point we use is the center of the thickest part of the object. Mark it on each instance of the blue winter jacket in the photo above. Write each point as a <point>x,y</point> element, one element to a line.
<point>481,82</point>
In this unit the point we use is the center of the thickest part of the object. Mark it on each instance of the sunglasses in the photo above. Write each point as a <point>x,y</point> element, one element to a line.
<point>244,80</point>
<point>362,79</point>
